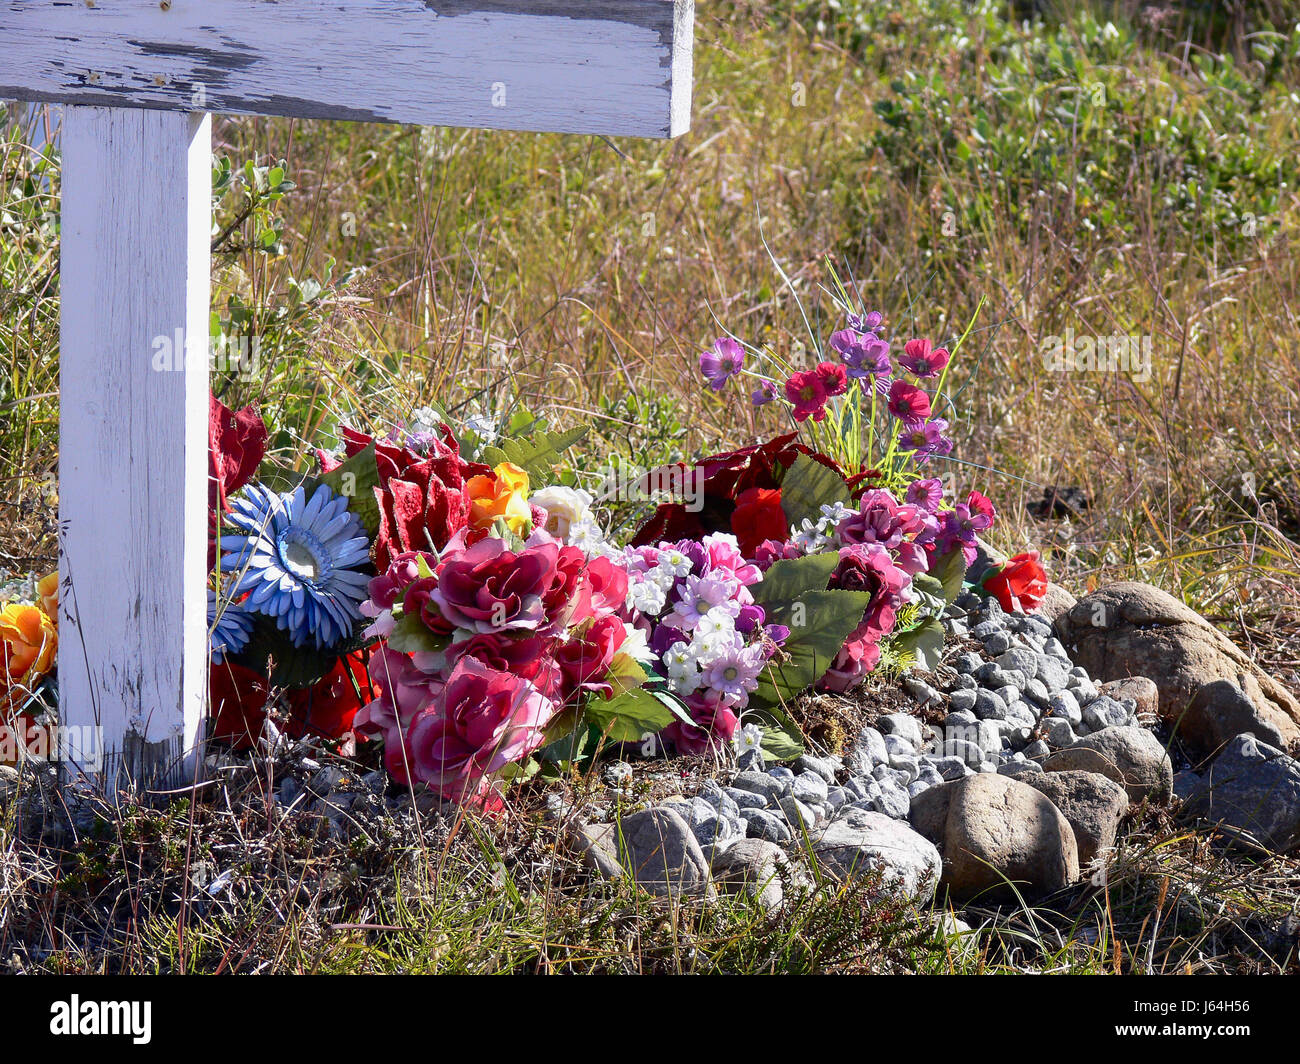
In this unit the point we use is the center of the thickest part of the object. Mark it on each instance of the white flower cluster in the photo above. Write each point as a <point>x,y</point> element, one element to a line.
<point>818,538</point>
<point>569,517</point>
<point>714,656</point>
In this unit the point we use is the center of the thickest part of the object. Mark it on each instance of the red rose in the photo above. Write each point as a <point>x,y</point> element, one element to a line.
<point>237,704</point>
<point>1019,583</point>
<point>584,660</point>
<point>328,707</point>
<point>757,517</point>
<point>724,478</point>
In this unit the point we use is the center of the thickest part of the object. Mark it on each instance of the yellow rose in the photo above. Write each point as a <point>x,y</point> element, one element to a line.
<point>27,645</point>
<point>503,494</point>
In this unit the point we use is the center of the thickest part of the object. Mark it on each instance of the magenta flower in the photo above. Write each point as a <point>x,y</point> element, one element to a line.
<point>807,392</point>
<point>487,588</point>
<point>868,567</point>
<point>483,720</point>
<point>404,690</point>
<point>960,525</point>
<point>722,362</point>
<point>834,378</point>
<point>927,494</point>
<point>907,402</point>
<point>919,360</point>
<point>925,439</point>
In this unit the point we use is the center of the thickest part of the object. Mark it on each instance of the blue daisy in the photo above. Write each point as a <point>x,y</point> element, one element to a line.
<point>228,628</point>
<point>298,560</point>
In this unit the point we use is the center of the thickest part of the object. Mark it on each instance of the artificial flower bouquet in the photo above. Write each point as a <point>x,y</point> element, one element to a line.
<point>448,602</point>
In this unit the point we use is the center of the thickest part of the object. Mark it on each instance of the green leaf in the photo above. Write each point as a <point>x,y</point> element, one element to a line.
<point>950,572</point>
<point>789,578</point>
<point>356,479</point>
<point>536,453</point>
<point>924,643</point>
<point>410,635</point>
<point>779,745</point>
<point>819,622</point>
<point>629,716</point>
<point>808,486</point>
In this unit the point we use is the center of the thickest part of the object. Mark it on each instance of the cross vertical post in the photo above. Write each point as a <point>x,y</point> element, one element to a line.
<point>134,289</point>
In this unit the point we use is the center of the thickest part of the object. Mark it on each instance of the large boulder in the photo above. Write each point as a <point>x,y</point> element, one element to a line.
<point>1133,629</point>
<point>1093,804</point>
<point>992,828</point>
<point>1143,764</point>
<point>1254,788</point>
<point>861,841</point>
<point>664,856</point>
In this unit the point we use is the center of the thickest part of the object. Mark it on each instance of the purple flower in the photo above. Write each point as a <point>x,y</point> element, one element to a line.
<point>764,393</point>
<point>868,322</point>
<point>925,439</point>
<point>927,494</point>
<point>900,529</point>
<point>735,674</point>
<point>960,525</point>
<point>863,354</point>
<point>722,362</point>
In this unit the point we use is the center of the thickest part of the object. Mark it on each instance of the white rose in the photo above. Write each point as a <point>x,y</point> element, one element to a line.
<point>564,507</point>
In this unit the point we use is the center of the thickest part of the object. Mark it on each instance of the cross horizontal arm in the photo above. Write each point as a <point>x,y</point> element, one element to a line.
<point>617,67</point>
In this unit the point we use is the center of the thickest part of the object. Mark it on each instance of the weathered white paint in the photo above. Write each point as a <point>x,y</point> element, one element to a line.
<point>137,217</point>
<point>617,67</point>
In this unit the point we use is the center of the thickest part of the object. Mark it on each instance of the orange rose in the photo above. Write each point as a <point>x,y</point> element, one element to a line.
<point>504,494</point>
<point>27,645</point>
<point>47,588</point>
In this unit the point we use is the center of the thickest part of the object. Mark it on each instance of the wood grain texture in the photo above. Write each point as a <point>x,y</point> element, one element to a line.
<point>615,67</point>
<point>133,438</point>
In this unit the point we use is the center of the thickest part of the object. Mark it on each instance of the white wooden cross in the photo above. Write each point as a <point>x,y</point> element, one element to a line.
<point>138,80</point>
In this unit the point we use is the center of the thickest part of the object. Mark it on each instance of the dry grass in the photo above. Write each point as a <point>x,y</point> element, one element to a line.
<point>944,158</point>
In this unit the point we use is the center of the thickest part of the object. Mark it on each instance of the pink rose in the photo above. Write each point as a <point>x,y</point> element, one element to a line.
<point>487,588</point>
<point>403,692</point>
<point>483,720</point>
<point>607,584</point>
<point>715,724</point>
<point>857,657</point>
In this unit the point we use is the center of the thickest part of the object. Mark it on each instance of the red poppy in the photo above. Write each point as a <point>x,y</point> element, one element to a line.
<point>758,516</point>
<point>1019,583</point>
<point>237,704</point>
<point>328,707</point>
